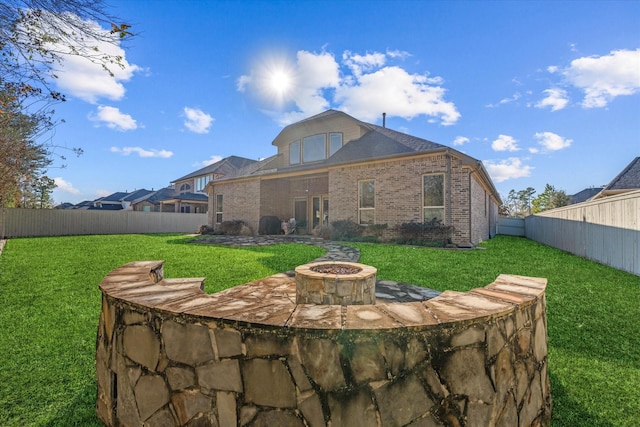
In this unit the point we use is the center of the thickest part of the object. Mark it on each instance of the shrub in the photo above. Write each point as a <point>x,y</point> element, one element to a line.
<point>374,230</point>
<point>206,229</point>
<point>345,230</point>
<point>429,233</point>
<point>235,227</point>
<point>323,231</point>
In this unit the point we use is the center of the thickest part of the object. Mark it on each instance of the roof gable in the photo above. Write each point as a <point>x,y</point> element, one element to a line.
<point>628,179</point>
<point>225,166</point>
<point>326,122</point>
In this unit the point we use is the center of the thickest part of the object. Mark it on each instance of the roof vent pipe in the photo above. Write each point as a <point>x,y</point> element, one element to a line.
<point>384,120</point>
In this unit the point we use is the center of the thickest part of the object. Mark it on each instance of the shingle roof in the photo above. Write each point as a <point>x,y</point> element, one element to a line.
<point>135,195</point>
<point>381,142</point>
<point>628,179</point>
<point>162,194</point>
<point>584,195</point>
<point>115,197</point>
<point>194,197</point>
<point>226,166</point>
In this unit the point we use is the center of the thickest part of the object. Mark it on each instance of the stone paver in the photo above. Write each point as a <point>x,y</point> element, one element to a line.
<point>386,290</point>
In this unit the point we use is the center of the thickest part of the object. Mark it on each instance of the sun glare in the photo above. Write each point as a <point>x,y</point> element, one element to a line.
<point>276,79</point>
<point>280,82</point>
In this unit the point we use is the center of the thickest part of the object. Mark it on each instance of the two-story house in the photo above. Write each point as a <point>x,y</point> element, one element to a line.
<point>334,167</point>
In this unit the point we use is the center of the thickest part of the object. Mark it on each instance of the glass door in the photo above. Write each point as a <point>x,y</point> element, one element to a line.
<point>300,214</point>
<point>325,210</point>
<point>316,212</point>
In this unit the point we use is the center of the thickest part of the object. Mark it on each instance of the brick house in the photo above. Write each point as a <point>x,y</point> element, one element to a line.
<point>334,167</point>
<point>190,190</point>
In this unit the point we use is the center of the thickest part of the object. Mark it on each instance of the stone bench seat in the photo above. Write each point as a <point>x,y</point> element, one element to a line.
<point>169,354</point>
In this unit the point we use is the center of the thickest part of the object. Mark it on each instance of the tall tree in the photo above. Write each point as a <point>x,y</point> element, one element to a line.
<point>22,159</point>
<point>518,203</point>
<point>550,198</point>
<point>35,37</point>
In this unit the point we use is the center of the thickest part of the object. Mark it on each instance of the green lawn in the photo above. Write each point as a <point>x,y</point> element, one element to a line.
<point>49,308</point>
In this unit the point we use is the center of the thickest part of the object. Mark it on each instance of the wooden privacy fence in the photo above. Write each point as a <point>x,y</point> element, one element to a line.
<point>510,226</point>
<point>55,222</point>
<point>606,230</point>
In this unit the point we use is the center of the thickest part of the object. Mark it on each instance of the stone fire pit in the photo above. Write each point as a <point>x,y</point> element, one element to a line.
<point>335,283</point>
<point>167,354</point>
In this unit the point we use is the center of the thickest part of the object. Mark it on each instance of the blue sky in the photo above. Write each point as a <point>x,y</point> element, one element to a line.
<point>540,92</point>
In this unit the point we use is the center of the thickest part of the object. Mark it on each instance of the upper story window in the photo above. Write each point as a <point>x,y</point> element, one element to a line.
<point>294,153</point>
<point>201,182</point>
<point>314,148</point>
<point>335,143</point>
<point>185,188</point>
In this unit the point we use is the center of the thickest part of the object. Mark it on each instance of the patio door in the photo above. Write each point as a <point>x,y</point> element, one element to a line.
<point>300,213</point>
<point>310,212</point>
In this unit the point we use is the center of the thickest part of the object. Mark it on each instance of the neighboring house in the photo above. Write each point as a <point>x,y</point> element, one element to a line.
<point>584,195</point>
<point>112,202</point>
<point>152,202</point>
<point>191,194</point>
<point>334,167</point>
<point>627,180</point>
<point>127,201</point>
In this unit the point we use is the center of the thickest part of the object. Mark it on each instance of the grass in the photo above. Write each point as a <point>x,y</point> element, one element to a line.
<point>49,307</point>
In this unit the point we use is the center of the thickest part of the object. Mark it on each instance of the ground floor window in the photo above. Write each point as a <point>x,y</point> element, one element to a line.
<point>433,197</point>
<point>218,208</point>
<point>367,201</point>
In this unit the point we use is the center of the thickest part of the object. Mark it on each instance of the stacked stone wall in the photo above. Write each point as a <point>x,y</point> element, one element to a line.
<point>167,354</point>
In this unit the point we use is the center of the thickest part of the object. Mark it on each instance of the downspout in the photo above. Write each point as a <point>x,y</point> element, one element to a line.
<point>448,198</point>
<point>470,201</point>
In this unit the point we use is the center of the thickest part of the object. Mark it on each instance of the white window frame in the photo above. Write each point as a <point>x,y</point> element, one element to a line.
<point>201,183</point>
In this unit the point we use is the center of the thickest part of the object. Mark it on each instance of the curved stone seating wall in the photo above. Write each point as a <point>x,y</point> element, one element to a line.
<point>168,354</point>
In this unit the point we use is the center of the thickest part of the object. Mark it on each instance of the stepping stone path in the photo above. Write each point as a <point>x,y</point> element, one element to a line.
<point>386,290</point>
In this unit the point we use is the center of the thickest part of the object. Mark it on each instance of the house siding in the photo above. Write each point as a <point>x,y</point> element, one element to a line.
<point>241,201</point>
<point>398,191</point>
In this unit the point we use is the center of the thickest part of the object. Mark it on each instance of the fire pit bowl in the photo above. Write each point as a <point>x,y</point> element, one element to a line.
<point>335,283</point>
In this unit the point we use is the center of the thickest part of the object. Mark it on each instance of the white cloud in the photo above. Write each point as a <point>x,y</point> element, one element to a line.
<point>114,119</point>
<point>551,141</point>
<point>505,143</point>
<point>556,99</point>
<point>603,78</point>
<point>197,120</point>
<point>211,160</point>
<point>125,151</point>
<point>360,63</point>
<point>507,169</point>
<point>516,96</point>
<point>460,140</point>
<point>103,193</point>
<point>394,91</point>
<point>65,186</point>
<point>364,86</point>
<point>82,74</point>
